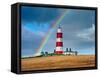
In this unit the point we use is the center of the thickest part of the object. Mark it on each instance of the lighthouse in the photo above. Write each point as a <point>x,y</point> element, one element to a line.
<point>59,41</point>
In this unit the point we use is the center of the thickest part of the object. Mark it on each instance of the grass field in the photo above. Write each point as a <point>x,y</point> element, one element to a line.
<point>57,62</point>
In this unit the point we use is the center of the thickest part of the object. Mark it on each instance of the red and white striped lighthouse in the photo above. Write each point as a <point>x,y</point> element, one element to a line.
<point>59,42</point>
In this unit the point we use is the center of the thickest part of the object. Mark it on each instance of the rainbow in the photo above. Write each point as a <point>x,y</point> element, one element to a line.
<point>58,21</point>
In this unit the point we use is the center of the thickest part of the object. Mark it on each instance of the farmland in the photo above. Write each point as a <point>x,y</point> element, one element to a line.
<point>57,62</point>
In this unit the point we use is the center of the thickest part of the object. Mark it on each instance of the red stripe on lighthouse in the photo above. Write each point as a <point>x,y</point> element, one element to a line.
<point>59,44</point>
<point>59,35</point>
<point>59,52</point>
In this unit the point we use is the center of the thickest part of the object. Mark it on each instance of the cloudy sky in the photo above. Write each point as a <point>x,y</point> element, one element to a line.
<point>37,24</point>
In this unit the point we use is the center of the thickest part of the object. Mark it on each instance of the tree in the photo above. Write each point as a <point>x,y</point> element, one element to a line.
<point>46,53</point>
<point>66,49</point>
<point>70,49</point>
<point>42,53</point>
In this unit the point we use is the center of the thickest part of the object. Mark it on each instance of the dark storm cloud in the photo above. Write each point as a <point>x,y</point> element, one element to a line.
<point>79,18</point>
<point>78,31</point>
<point>29,42</point>
<point>39,14</point>
<point>79,37</point>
